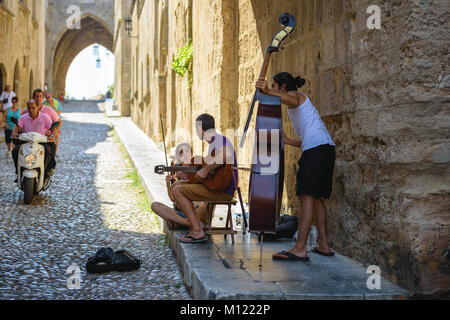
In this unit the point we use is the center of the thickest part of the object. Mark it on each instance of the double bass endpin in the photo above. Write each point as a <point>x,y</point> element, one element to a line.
<point>261,250</point>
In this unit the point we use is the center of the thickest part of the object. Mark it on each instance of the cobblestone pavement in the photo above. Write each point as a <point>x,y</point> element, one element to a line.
<point>90,204</point>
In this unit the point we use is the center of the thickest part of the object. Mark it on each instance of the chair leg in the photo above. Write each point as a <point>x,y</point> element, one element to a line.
<point>227,224</point>
<point>231,224</point>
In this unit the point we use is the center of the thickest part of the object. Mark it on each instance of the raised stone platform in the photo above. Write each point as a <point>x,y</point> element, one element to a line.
<point>221,270</point>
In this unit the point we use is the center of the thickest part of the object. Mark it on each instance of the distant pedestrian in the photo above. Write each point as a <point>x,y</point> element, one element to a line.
<point>13,111</point>
<point>6,98</point>
<point>52,103</point>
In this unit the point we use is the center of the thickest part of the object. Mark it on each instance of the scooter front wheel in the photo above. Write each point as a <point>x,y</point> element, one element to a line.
<point>28,189</point>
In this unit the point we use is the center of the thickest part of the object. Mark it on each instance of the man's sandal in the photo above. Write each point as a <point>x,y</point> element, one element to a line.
<point>193,240</point>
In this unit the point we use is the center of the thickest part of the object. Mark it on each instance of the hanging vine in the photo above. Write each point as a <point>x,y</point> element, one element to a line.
<point>183,61</point>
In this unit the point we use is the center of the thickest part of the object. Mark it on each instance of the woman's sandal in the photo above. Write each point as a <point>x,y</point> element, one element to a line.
<point>290,257</point>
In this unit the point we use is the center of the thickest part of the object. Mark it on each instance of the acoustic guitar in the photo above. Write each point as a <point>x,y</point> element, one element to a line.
<point>217,180</point>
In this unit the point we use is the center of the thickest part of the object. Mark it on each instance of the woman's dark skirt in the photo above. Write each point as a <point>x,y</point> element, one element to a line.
<point>315,172</point>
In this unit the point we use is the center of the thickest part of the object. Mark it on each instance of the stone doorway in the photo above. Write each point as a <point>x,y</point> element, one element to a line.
<point>72,42</point>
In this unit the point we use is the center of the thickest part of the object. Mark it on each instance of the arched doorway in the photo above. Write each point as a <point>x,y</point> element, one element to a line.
<point>16,82</point>
<point>87,80</point>
<point>72,42</point>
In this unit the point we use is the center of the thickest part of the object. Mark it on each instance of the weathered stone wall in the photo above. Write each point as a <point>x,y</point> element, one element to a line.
<point>160,28</point>
<point>383,94</point>
<point>122,55</point>
<point>22,41</point>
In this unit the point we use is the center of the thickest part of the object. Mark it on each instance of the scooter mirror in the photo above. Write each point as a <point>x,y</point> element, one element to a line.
<point>54,125</point>
<point>15,121</point>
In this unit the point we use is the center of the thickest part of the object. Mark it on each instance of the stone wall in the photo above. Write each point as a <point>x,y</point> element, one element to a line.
<point>160,28</point>
<point>383,94</point>
<point>21,47</point>
<point>122,55</point>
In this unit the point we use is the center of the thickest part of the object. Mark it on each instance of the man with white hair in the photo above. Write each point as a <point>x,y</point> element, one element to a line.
<point>173,216</point>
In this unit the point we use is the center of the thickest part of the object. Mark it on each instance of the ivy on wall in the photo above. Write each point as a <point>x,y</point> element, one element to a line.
<point>183,61</point>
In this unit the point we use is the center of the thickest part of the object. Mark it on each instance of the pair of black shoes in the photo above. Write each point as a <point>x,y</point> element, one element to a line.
<point>106,260</point>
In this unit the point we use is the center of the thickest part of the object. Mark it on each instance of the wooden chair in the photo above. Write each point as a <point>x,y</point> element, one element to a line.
<point>228,229</point>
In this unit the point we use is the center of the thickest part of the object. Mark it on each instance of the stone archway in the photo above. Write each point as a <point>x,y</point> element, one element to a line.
<point>72,42</point>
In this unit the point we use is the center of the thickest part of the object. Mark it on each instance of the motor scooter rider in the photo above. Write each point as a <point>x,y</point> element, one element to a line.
<point>38,97</point>
<point>35,121</point>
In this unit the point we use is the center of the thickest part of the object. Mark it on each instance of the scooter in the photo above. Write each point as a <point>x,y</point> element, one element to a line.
<point>30,164</point>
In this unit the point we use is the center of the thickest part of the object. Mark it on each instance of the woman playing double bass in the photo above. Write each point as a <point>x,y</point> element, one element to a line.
<point>315,173</point>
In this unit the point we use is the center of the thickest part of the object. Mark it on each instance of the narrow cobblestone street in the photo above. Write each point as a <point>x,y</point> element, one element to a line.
<point>90,204</point>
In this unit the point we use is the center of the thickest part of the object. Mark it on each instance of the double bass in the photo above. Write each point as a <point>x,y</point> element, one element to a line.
<point>267,172</point>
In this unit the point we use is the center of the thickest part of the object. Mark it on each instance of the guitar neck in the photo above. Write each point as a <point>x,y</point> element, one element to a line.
<point>181,168</point>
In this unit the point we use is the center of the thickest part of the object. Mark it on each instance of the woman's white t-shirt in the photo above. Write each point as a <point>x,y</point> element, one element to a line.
<point>308,125</point>
<point>9,96</point>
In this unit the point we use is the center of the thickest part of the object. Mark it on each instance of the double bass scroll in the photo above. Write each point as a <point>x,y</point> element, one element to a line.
<point>288,22</point>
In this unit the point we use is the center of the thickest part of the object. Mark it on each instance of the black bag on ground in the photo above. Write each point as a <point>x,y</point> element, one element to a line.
<point>286,227</point>
<point>106,260</point>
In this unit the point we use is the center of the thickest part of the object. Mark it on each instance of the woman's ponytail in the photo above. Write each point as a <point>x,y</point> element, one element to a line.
<point>299,82</point>
<point>291,83</point>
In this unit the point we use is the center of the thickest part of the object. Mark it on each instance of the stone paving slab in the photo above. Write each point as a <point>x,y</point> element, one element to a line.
<point>222,270</point>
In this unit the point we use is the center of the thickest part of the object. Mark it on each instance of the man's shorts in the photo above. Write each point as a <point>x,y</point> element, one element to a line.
<point>180,213</point>
<point>199,214</point>
<point>198,192</point>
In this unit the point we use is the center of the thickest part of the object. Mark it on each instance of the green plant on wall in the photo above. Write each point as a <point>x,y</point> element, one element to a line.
<point>183,61</point>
